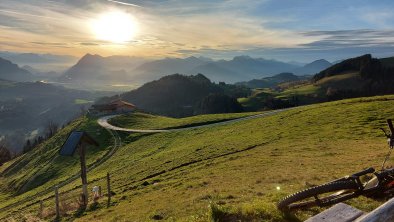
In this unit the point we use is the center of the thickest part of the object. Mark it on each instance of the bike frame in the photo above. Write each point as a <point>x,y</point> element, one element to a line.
<point>380,175</point>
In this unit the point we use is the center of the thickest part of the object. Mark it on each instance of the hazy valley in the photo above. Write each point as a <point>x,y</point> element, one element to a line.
<point>220,111</point>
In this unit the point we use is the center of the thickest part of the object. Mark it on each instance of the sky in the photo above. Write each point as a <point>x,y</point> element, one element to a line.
<point>287,30</point>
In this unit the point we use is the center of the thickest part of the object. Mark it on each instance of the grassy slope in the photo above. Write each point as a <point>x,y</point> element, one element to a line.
<point>345,81</point>
<point>307,93</point>
<point>315,145</point>
<point>256,99</point>
<point>147,121</point>
<point>239,166</point>
<point>43,168</point>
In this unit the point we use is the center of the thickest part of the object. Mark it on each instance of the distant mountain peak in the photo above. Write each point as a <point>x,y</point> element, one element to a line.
<point>206,59</point>
<point>313,67</point>
<point>285,75</point>
<point>242,57</point>
<point>11,71</point>
<point>90,59</point>
<point>30,69</point>
<point>88,55</point>
<point>5,61</point>
<point>193,58</point>
<point>201,78</point>
<point>320,61</point>
<point>356,64</point>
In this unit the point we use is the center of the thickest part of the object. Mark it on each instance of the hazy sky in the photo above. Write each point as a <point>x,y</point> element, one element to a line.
<point>299,30</point>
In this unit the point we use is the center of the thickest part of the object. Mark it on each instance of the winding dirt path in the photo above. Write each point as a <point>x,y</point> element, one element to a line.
<point>103,121</point>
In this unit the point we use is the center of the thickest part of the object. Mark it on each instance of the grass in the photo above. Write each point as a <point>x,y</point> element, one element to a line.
<point>233,171</point>
<point>302,90</point>
<point>258,97</point>
<point>6,84</point>
<point>82,101</point>
<point>348,81</point>
<point>42,168</point>
<point>147,121</point>
<point>305,92</point>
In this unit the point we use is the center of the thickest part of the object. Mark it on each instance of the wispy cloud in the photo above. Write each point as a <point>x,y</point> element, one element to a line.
<point>351,38</point>
<point>223,28</point>
<point>124,3</point>
<point>25,14</point>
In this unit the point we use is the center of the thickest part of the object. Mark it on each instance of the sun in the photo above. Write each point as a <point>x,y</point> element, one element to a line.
<point>115,26</point>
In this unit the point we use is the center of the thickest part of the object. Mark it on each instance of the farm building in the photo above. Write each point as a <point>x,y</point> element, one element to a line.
<point>115,107</point>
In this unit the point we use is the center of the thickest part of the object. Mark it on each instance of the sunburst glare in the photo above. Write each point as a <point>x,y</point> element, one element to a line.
<point>115,26</point>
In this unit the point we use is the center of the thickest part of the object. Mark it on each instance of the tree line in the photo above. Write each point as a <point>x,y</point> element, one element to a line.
<point>50,129</point>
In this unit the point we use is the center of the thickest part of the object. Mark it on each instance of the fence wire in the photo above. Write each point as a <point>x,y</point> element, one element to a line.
<point>71,202</point>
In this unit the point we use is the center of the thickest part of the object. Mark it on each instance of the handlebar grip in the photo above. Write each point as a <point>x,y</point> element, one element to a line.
<point>390,126</point>
<point>369,170</point>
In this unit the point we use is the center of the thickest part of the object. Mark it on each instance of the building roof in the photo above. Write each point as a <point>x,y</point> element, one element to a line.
<point>121,102</point>
<point>104,106</point>
<point>74,139</point>
<point>113,105</point>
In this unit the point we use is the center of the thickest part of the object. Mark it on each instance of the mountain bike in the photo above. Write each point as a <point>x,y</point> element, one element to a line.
<point>381,185</point>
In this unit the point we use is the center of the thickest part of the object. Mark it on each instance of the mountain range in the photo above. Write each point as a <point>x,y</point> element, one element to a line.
<point>179,95</point>
<point>44,62</point>
<point>25,108</point>
<point>273,81</point>
<point>40,73</point>
<point>240,68</point>
<point>26,58</point>
<point>122,69</point>
<point>359,76</point>
<point>313,67</point>
<point>95,69</point>
<point>11,71</point>
<point>98,70</point>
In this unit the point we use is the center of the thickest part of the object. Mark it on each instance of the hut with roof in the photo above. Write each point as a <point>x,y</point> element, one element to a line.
<point>117,106</point>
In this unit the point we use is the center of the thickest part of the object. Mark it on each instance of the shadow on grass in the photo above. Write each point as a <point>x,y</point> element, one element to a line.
<point>79,212</point>
<point>260,212</point>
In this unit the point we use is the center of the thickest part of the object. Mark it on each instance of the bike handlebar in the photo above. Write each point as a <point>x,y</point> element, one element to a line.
<point>369,170</point>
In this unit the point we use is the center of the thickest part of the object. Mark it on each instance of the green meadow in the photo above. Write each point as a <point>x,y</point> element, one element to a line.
<point>231,172</point>
<point>147,121</point>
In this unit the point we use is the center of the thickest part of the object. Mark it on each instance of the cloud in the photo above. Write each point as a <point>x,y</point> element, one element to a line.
<point>89,44</point>
<point>222,28</point>
<point>351,38</point>
<point>58,44</point>
<point>332,45</point>
<point>351,33</point>
<point>25,14</point>
<point>123,3</point>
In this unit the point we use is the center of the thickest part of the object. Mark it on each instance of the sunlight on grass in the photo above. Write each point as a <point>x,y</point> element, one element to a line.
<point>147,121</point>
<point>228,171</point>
<point>82,101</point>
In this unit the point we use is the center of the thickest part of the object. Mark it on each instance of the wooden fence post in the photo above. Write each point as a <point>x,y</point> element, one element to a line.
<point>57,203</point>
<point>41,208</point>
<point>109,190</point>
<point>83,175</point>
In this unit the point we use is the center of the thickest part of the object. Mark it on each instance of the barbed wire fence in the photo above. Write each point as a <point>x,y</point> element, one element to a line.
<point>70,203</point>
<point>46,201</point>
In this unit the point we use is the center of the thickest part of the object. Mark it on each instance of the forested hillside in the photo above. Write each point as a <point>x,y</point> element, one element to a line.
<point>179,95</point>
